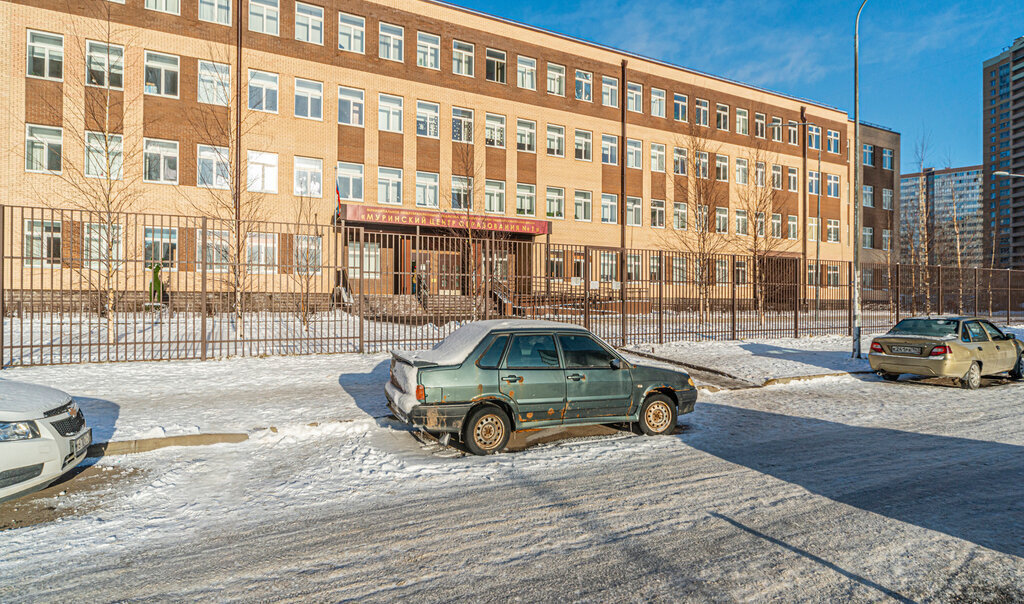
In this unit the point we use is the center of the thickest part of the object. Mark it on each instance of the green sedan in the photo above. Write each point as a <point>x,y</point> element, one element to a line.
<point>964,348</point>
<point>490,378</point>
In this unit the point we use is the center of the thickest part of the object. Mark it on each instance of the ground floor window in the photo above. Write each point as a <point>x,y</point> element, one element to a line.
<point>608,266</point>
<point>218,250</point>
<point>369,268</point>
<point>42,243</point>
<point>261,252</point>
<point>161,246</point>
<point>556,264</point>
<point>308,254</point>
<point>102,249</point>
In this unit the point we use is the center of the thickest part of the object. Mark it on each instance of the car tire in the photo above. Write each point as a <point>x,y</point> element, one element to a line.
<point>889,377</point>
<point>971,379</point>
<point>658,415</point>
<point>487,430</point>
<point>1017,373</point>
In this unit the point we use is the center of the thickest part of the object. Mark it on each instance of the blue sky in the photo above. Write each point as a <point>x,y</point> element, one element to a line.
<point>920,61</point>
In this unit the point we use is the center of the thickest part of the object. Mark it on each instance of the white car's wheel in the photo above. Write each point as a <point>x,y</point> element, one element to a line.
<point>972,379</point>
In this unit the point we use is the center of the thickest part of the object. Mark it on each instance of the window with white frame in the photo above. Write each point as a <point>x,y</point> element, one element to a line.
<point>494,64</point>
<point>365,263</point>
<point>43,243</point>
<point>161,74</point>
<point>679,161</point>
<point>634,211</point>
<point>462,58</point>
<point>261,172</point>
<point>813,270</point>
<point>391,42</point>
<point>609,91</point>
<point>555,202</point>
<point>609,149</point>
<point>869,155</point>
<point>792,227</point>
<point>261,252</point>
<point>886,239</point>
<point>633,267</point>
<point>427,189</point>
<point>794,179</point>
<point>794,133</point>
<point>389,113</point>
<point>351,33</point>
<point>886,199</point>
<point>776,176</point>
<point>102,245</point>
<point>104,65</point>
<point>776,129</point>
<point>104,155</point>
<point>742,121</point>
<point>887,157</point>
<point>813,183</point>
<point>722,220</point>
<point>262,91</point>
<point>309,99</point>
<point>584,86</point>
<point>526,200</point>
<point>214,81</point>
<point>160,161</point>
<point>678,269</point>
<point>526,73</point>
<point>582,201</point>
<point>608,266</point>
<point>556,264</point>
<point>350,106</point>
<point>462,125</point>
<point>658,213</point>
<point>349,181</point>
<point>777,226</point>
<point>462,193</point>
<point>634,97</point>
<point>832,185</point>
<point>389,186</point>
<point>832,142</point>
<point>494,130</point>
<point>722,168</point>
<point>160,246</point>
<point>526,136</point>
<point>309,23</point>
<point>308,252</point>
<point>609,208</point>
<point>742,171</point>
<point>657,102</point>
<point>634,154</point>
<point>868,238</point>
<point>494,196</point>
<point>812,229</point>
<point>215,11</point>
<point>701,164</point>
<point>217,254</point>
<point>556,79</point>
<point>722,116</point>
<point>701,112</point>
<point>679,217</point>
<point>428,50</point>
<point>556,140</point>
<point>264,16</point>
<point>213,168</point>
<point>701,219</point>
<point>832,231</point>
<point>164,6</point>
<point>832,275</point>
<point>759,125</point>
<point>657,157</point>
<point>584,145</point>
<point>814,137</point>
<point>308,177</point>
<point>679,107</point>
<point>45,55</point>
<point>428,119</point>
<point>742,223</point>
<point>867,196</point>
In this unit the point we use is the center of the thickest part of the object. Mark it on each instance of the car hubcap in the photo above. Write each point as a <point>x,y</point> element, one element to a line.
<point>975,376</point>
<point>658,416</point>
<point>488,432</point>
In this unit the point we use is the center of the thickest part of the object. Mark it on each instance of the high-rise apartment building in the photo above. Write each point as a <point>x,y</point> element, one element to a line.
<point>1003,143</point>
<point>942,217</point>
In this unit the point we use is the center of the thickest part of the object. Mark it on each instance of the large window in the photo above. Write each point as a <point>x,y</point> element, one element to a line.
<point>742,223</point>
<point>759,125</point>
<point>351,33</point>
<point>213,170</point>
<point>215,11</point>
<point>679,161</point>
<point>369,268</point>
<point>658,213</point>
<point>350,106</point>
<point>261,170</point>
<point>886,199</point>
<point>526,200</point>
<point>462,58</point>
<point>104,155</point>
<point>832,142</point>
<point>350,181</point>
<point>722,220</point>
<point>609,91</point>
<point>389,113</point>
<point>777,176</point>
<point>634,97</point>
<point>214,80</point>
<point>428,50</point>
<point>308,251</point>
<point>812,229</point>
<point>555,202</point>
<point>104,64</point>
<point>701,113</point>
<point>584,145</point>
<point>218,250</point>
<point>45,55</point>
<point>814,137</point>
<point>556,79</point>
<point>742,171</point>
<point>309,99</point>
<point>261,252</point>
<point>679,107</point>
<point>164,6</point>
<point>526,73</point>
<point>494,130</point>
<point>634,154</point>
<point>161,74</point>
<point>722,117</point>
<point>390,42</point>
<point>792,227</point>
<point>309,23</point>
<point>887,157</point>
<point>309,177</point>
<point>722,168</point>
<point>389,186</point>
<point>262,91</point>
<point>832,231</point>
<point>794,179</point>
<point>582,200</point>
<point>427,189</point>
<point>495,64</point>
<point>462,193</point>
<point>679,217</point>
<point>701,164</point>
<point>657,102</point>
<point>608,266</point>
<point>161,246</point>
<point>609,149</point>
<point>462,125</point>
<point>43,243</point>
<point>742,122</point>
<point>867,194</point>
<point>102,245</point>
<point>609,208</point>
<point>868,238</point>
<point>264,16</point>
<point>776,129</point>
<point>832,185</point>
<point>526,136</point>
<point>634,211</point>
<point>428,119</point>
<point>584,86</point>
<point>494,196</point>
<point>657,157</point>
<point>556,140</point>
<point>869,155</point>
<point>160,161</point>
<point>813,183</point>
<point>777,226</point>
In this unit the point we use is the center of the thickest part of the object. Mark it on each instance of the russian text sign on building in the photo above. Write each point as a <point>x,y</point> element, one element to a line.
<point>426,218</point>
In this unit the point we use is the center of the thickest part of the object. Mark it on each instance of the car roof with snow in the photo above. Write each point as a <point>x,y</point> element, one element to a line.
<point>454,349</point>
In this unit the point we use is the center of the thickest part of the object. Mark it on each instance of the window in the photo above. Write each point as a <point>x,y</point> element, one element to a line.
<point>261,252</point>
<point>556,202</point>
<point>556,79</point>
<point>427,189</point>
<point>526,73</point>
<point>812,229</point>
<point>832,275</point>
<point>868,238</point>
<point>867,194</point>
<point>494,130</point>
<point>792,227</point>
<point>777,177</point>
<point>494,196</point>
<point>308,251</point>
<point>634,154</point>
<point>722,220</point>
<point>102,245</point>
<point>164,6</point>
<point>104,65</point>
<point>608,268</point>
<point>722,168</point>
<point>832,143</point>
<point>309,99</point>
<point>887,157</point>
<point>679,216</point>
<point>609,91</point>
<point>104,155</point>
<point>160,161</point>
<point>462,193</point>
<point>215,11</point>
<point>161,246</point>
<point>264,16</point>
<point>462,58</point>
<point>721,271</point>
<point>308,177</point>
<point>556,140</point>
<point>462,125</point>
<point>813,137</point>
<point>759,125</point>
<point>262,91</point>
<point>609,149</point>
<point>742,224</point>
<point>161,74</point>
<point>582,200</point>
<point>794,133</point>
<point>389,186</point>
<point>526,200</point>
<point>742,122</point>
<point>657,102</point>
<point>658,213</point>
<point>43,243</point>
<point>742,171</point>
<point>389,113</point>
<point>261,172</point>
<point>390,42</point>
<point>350,106</point>
<point>679,161</point>
<point>722,117</point>
<point>759,222</point>
<point>678,269</point>
<point>428,50</point>
<point>214,80</point>
<point>213,170</point>
<point>886,199</point>
<point>777,226</point>
<point>495,63</point>
<point>813,183</point>
<point>584,145</point>
<point>351,33</point>
<point>701,164</point>
<point>776,129</point>
<point>832,185</point>
<point>657,157</point>
<point>363,263</point>
<point>584,83</point>
<point>832,232</point>
<point>45,55</point>
<point>634,97</point>
<point>632,267</point>
<point>309,23</point>
<point>634,211</point>
<point>218,250</point>
<point>679,107</point>
<point>702,218</point>
<point>526,136</point>
<point>427,119</point>
<point>609,208</point>
<point>886,239</point>
<point>700,116</point>
<point>793,179</point>
<point>556,264</point>
<point>812,273</point>
<point>533,351</point>
<point>869,155</point>
<point>740,271</point>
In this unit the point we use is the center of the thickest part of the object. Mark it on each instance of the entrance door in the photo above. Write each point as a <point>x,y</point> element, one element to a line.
<point>596,386</point>
<point>532,376</point>
<point>448,273</point>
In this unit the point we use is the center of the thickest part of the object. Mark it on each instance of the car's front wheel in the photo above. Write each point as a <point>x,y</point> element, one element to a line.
<point>1017,372</point>
<point>487,430</point>
<point>972,379</point>
<point>657,415</point>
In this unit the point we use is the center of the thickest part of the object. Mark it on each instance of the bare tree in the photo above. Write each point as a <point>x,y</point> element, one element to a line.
<point>306,258</point>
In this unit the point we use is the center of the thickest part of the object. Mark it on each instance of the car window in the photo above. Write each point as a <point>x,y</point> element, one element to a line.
<point>993,331</point>
<point>977,333</point>
<point>925,327</point>
<point>583,351</point>
<point>532,352</point>
<point>491,358</point>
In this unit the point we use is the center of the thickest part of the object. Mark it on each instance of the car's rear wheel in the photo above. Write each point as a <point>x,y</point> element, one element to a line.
<point>972,379</point>
<point>889,377</point>
<point>1017,372</point>
<point>657,415</point>
<point>487,430</point>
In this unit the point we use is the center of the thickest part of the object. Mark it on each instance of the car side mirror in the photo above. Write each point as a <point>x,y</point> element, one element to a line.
<point>616,364</point>
<point>1011,336</point>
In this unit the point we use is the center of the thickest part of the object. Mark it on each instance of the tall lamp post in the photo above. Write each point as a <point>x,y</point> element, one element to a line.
<point>856,185</point>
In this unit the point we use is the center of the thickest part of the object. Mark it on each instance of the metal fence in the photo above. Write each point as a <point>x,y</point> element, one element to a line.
<point>90,286</point>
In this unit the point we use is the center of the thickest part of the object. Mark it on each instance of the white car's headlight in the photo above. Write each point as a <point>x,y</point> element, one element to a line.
<point>18,431</point>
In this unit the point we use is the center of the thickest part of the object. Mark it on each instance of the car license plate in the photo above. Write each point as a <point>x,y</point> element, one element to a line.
<point>82,442</point>
<point>905,349</point>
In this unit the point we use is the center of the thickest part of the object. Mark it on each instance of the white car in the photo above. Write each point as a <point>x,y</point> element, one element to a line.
<point>42,436</point>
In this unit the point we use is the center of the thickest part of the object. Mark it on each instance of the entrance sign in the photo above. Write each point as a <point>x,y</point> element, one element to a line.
<point>427,218</point>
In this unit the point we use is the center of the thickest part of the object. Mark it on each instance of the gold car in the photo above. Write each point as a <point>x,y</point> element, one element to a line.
<point>964,348</point>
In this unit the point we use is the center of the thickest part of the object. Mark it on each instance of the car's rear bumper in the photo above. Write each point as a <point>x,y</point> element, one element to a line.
<point>930,366</point>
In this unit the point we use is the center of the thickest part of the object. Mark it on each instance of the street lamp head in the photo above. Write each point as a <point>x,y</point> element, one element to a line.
<point>1001,173</point>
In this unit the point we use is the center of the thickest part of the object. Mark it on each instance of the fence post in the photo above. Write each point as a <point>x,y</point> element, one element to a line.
<point>362,291</point>
<point>941,306</point>
<point>202,301</point>
<point>586,287</point>
<point>486,285</point>
<point>977,273</point>
<point>3,291</point>
<point>1009,297</point>
<point>797,281</point>
<point>898,293</point>
<point>661,297</point>
<point>732,307</point>
<point>849,298</point>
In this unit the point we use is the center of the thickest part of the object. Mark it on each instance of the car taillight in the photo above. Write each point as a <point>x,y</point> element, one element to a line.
<point>938,351</point>
<point>876,347</point>
<point>421,393</point>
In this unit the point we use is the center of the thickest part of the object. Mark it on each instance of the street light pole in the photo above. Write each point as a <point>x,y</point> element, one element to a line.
<point>855,301</point>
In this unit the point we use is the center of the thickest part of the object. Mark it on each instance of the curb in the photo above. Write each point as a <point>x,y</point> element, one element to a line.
<point>804,378</point>
<point>142,445</point>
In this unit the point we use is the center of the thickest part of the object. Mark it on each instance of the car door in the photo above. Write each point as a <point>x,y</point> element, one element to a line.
<point>532,376</point>
<point>982,349</point>
<point>597,384</point>
<point>1005,349</point>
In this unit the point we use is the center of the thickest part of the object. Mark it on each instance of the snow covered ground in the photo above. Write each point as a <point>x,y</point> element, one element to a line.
<point>836,489</point>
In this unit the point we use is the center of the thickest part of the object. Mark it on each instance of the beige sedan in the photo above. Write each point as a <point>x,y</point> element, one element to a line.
<point>964,348</point>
